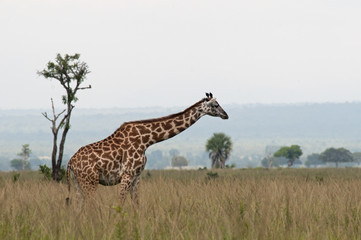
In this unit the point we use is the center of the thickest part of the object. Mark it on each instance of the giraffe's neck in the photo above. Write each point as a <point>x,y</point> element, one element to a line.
<point>156,130</point>
<point>169,128</point>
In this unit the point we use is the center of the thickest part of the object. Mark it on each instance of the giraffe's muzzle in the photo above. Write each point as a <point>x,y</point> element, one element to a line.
<point>224,115</point>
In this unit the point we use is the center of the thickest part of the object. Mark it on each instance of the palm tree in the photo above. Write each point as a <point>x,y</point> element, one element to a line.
<point>219,147</point>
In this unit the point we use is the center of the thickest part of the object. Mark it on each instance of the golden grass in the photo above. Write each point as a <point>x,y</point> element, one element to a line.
<point>239,204</point>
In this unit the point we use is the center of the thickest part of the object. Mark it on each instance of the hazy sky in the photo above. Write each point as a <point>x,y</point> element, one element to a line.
<point>168,53</point>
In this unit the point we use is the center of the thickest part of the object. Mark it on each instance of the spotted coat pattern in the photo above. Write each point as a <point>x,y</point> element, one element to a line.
<point>120,158</point>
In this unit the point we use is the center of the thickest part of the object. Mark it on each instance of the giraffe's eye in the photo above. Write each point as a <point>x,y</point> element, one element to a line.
<point>216,105</point>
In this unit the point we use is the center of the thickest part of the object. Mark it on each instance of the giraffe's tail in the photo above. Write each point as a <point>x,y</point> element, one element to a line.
<point>67,200</point>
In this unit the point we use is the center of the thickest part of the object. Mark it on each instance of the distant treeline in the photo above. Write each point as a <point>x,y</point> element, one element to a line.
<point>246,122</point>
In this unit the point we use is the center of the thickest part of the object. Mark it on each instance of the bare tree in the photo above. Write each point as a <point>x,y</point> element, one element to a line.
<point>269,151</point>
<point>70,73</point>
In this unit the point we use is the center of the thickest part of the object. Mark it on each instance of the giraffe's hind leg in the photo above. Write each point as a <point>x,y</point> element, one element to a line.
<point>86,188</point>
<point>79,196</point>
<point>89,185</point>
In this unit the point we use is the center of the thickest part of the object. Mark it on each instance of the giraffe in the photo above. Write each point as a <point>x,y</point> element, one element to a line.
<point>120,158</point>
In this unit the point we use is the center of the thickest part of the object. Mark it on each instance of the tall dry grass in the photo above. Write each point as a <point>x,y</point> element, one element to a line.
<point>238,204</point>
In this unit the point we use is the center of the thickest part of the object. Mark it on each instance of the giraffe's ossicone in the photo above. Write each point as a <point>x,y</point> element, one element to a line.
<point>120,158</point>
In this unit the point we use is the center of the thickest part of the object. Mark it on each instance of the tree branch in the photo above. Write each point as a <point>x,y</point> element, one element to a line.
<point>54,128</point>
<point>54,115</point>
<point>46,116</point>
<point>82,88</point>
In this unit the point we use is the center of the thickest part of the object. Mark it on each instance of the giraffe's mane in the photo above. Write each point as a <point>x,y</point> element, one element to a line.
<point>166,117</point>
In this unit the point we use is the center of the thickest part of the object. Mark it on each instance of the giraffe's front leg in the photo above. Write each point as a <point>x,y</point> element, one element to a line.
<point>134,191</point>
<point>125,186</point>
<point>140,164</point>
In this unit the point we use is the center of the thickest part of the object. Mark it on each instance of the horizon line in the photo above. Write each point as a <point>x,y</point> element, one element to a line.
<point>171,107</point>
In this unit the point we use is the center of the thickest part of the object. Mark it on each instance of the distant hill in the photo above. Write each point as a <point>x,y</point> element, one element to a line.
<point>251,127</point>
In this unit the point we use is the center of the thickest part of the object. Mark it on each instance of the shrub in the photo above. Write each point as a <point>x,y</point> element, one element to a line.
<point>47,172</point>
<point>16,177</point>
<point>212,175</point>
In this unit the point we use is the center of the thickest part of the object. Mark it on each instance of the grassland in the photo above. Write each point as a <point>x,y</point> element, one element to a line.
<point>238,204</point>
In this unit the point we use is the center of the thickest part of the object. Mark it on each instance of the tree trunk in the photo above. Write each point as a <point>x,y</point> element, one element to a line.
<point>55,174</point>
<point>270,161</point>
<point>56,169</point>
<point>53,155</point>
<point>222,163</point>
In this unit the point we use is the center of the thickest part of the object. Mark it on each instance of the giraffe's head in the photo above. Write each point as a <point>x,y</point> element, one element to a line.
<point>211,107</point>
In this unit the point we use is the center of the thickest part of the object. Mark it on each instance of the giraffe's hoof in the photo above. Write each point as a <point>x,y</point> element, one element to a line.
<point>67,201</point>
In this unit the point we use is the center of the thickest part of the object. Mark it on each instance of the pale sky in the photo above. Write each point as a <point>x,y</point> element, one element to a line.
<point>167,53</point>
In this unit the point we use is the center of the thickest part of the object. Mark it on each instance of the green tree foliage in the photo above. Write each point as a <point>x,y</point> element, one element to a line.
<point>19,164</point>
<point>179,161</point>
<point>313,159</point>
<point>25,152</point>
<point>291,153</point>
<point>336,155</point>
<point>23,163</point>
<point>219,147</point>
<point>70,72</point>
<point>277,162</point>
<point>357,157</point>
